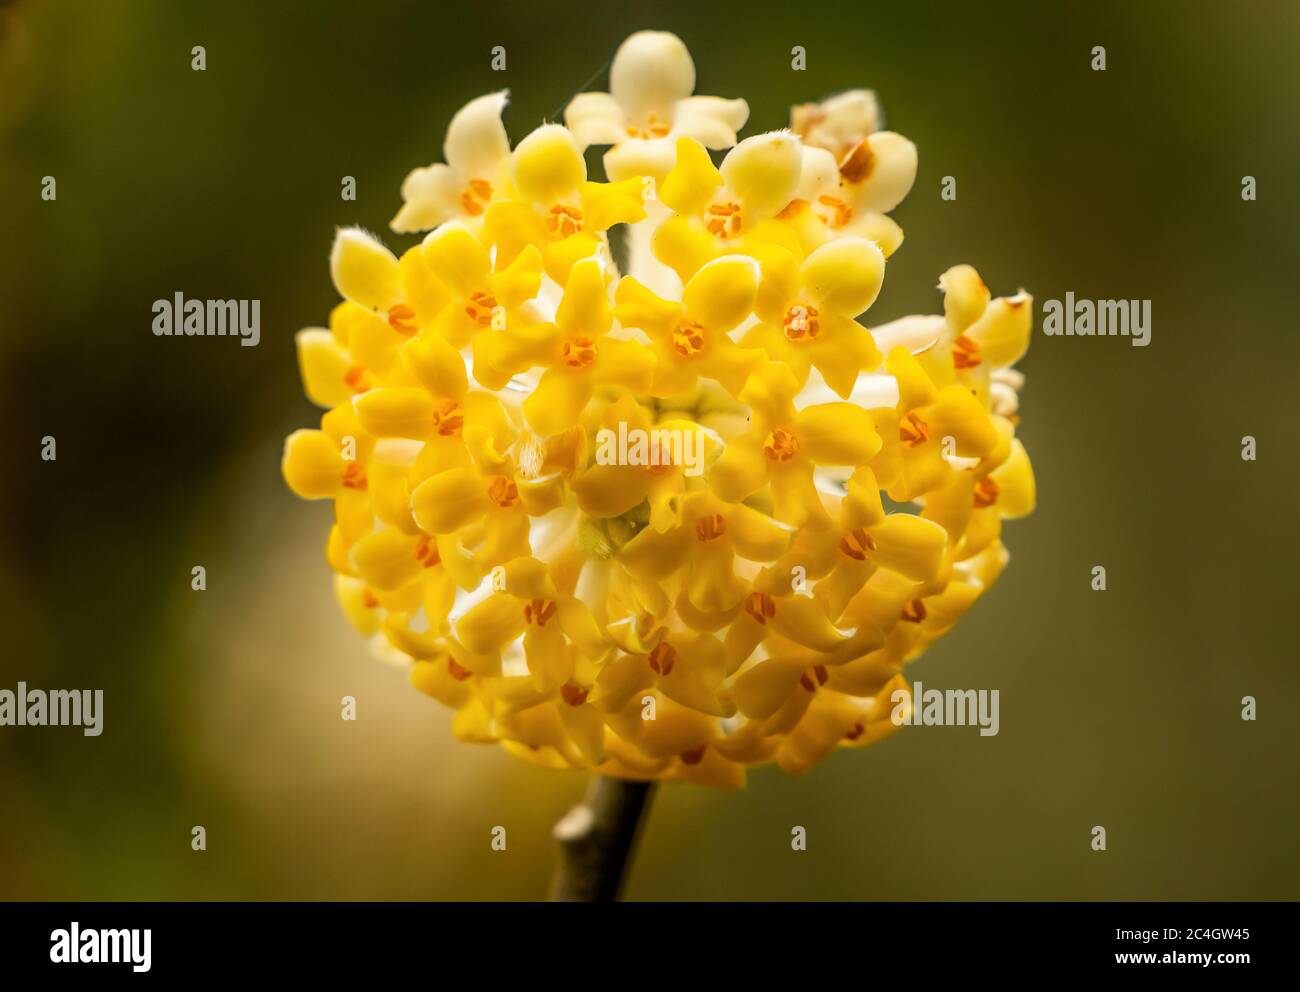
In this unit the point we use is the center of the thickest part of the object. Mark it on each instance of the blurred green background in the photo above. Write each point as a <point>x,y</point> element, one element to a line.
<point>1119,708</point>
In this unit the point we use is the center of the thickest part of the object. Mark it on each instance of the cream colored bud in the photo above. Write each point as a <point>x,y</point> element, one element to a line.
<point>651,71</point>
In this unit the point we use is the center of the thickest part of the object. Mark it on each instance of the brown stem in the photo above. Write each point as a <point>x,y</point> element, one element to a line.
<point>596,840</point>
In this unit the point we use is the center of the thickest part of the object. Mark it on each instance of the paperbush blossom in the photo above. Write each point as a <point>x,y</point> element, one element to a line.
<point>632,617</point>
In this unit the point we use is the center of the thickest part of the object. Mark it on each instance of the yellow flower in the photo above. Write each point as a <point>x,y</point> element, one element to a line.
<point>698,555</point>
<point>649,107</point>
<point>718,209</point>
<point>808,310</point>
<point>853,174</point>
<point>691,337</point>
<point>476,146</point>
<point>552,206</point>
<point>479,297</point>
<point>634,520</point>
<point>784,445</point>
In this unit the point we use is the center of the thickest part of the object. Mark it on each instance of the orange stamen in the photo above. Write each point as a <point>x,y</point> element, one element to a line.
<point>503,492</point>
<point>693,756</point>
<point>480,307</point>
<point>448,418</point>
<point>723,219</point>
<point>913,430</point>
<point>965,353</point>
<point>562,221</point>
<point>663,658</point>
<point>914,612</point>
<point>986,493</point>
<point>354,476</point>
<point>857,544</point>
<point>475,196</point>
<point>761,606</point>
<point>579,352</point>
<point>840,212</point>
<point>539,611</point>
<point>801,323</point>
<point>357,378</point>
<point>574,695</point>
<point>426,551</point>
<point>401,318</point>
<point>781,445</point>
<point>708,528</point>
<point>688,339</point>
<point>858,164</point>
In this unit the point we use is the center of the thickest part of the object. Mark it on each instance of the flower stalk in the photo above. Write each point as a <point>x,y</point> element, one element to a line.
<point>597,839</point>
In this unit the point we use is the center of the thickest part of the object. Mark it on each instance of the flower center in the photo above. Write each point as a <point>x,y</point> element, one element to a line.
<point>562,221</point>
<point>354,476</point>
<point>819,672</point>
<point>801,323</point>
<point>858,164</point>
<point>857,544</point>
<point>913,430</point>
<point>914,612</point>
<point>654,128</point>
<point>369,599</point>
<point>694,756</point>
<point>480,307</point>
<point>357,378</point>
<point>579,352</point>
<point>986,493</point>
<point>723,219</point>
<point>761,606</point>
<point>426,552</point>
<point>838,212</point>
<point>708,528</point>
<point>503,492</point>
<point>475,196</point>
<point>401,318</point>
<point>965,353</point>
<point>854,732</point>
<point>781,445</point>
<point>538,611</point>
<point>458,672</point>
<point>448,418</point>
<point>663,657</point>
<point>574,695</point>
<point>688,339</point>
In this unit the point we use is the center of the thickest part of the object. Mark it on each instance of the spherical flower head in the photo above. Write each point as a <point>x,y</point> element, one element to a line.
<point>676,519</point>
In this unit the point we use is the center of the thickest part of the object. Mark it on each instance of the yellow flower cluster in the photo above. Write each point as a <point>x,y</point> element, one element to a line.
<point>610,606</point>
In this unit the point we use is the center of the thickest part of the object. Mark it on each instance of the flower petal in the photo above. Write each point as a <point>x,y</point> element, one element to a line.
<point>844,276</point>
<point>837,434</point>
<point>763,171</point>
<point>476,139</point>
<point>596,119</point>
<point>363,270</point>
<point>721,294</point>
<point>548,165</point>
<point>651,71</point>
<point>446,502</point>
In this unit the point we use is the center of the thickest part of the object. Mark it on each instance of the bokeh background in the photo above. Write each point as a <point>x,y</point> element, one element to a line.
<point>1119,708</point>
